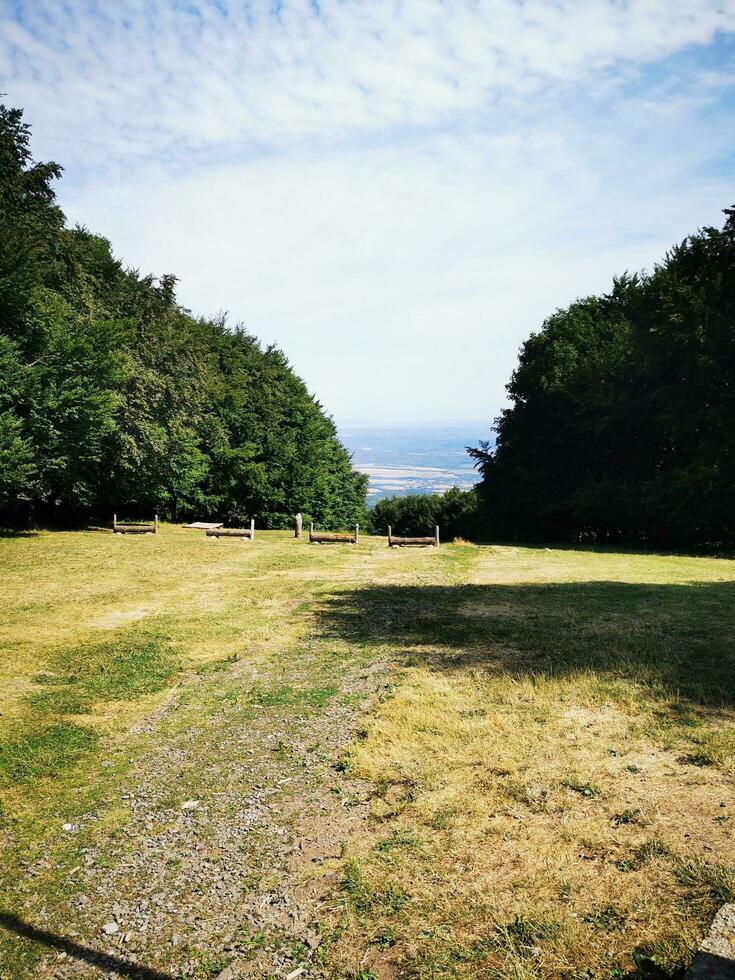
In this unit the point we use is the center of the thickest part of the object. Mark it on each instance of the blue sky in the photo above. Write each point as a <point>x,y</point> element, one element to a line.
<point>397,193</point>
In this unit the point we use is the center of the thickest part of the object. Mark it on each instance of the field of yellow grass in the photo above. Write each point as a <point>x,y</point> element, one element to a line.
<point>534,777</point>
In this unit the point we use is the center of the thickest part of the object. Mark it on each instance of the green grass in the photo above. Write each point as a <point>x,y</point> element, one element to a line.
<point>118,670</point>
<point>315,697</point>
<point>44,753</point>
<point>582,787</point>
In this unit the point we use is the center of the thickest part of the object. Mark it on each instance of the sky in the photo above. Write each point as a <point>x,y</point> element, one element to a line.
<point>396,192</point>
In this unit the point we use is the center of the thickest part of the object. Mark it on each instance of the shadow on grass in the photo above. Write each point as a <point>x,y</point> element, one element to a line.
<point>104,961</point>
<point>9,532</point>
<point>677,638</point>
<point>710,966</point>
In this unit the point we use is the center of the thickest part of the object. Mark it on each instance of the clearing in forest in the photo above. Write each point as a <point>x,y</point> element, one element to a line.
<point>233,759</point>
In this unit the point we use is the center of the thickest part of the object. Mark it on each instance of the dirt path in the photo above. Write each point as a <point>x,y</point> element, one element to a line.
<point>238,817</point>
<point>230,878</point>
<point>219,849</point>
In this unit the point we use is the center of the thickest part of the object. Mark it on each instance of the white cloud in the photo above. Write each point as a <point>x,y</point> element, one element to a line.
<point>206,72</point>
<point>397,191</point>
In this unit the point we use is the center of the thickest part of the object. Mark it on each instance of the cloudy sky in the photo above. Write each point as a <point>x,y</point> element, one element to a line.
<point>395,191</point>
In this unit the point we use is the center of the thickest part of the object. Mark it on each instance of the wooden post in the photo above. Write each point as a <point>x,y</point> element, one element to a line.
<point>252,528</point>
<point>357,533</point>
<point>389,536</point>
<point>298,525</point>
<point>436,534</point>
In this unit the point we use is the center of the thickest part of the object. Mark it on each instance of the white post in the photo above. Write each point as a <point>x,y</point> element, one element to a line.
<point>389,536</point>
<point>155,524</point>
<point>252,528</point>
<point>311,532</point>
<point>298,525</point>
<point>436,535</point>
<point>357,533</point>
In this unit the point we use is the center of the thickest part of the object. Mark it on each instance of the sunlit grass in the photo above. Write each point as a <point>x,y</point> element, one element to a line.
<point>553,768</point>
<point>97,634</point>
<point>550,772</point>
<point>47,751</point>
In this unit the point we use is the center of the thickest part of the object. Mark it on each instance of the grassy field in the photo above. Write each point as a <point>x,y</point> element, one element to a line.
<point>256,758</point>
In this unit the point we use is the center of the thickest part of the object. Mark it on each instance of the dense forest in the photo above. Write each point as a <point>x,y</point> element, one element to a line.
<point>621,425</point>
<point>114,398</point>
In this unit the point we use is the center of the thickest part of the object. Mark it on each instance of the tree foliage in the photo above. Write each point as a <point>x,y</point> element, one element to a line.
<point>457,512</point>
<point>113,397</point>
<point>622,417</point>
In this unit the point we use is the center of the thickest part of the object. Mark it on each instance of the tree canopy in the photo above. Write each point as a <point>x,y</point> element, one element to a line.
<point>457,512</point>
<point>113,397</point>
<point>621,425</point>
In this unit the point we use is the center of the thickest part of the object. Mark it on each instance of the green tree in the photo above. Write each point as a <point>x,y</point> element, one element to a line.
<point>114,398</point>
<point>457,512</point>
<point>622,417</point>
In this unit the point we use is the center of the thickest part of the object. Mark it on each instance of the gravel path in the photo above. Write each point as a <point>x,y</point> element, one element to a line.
<point>231,881</point>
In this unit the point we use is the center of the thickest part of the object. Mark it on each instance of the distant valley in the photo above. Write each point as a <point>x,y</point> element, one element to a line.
<point>405,459</point>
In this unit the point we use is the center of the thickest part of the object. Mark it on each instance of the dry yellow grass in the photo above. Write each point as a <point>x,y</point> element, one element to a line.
<point>211,599</point>
<point>533,827</point>
<point>551,772</point>
<point>554,769</point>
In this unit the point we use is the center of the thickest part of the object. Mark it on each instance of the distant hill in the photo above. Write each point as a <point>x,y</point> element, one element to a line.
<point>410,459</point>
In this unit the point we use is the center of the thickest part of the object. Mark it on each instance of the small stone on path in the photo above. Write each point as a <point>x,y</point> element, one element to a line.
<point>229,973</point>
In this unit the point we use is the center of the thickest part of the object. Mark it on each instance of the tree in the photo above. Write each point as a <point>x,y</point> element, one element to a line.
<point>622,416</point>
<point>457,512</point>
<point>115,398</point>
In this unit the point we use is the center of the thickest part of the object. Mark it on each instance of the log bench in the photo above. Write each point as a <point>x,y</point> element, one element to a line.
<point>332,537</point>
<point>133,527</point>
<point>394,542</point>
<point>243,533</point>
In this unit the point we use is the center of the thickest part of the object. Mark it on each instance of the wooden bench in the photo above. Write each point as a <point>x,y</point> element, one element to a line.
<point>394,542</point>
<point>331,537</point>
<point>243,533</point>
<point>133,527</point>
